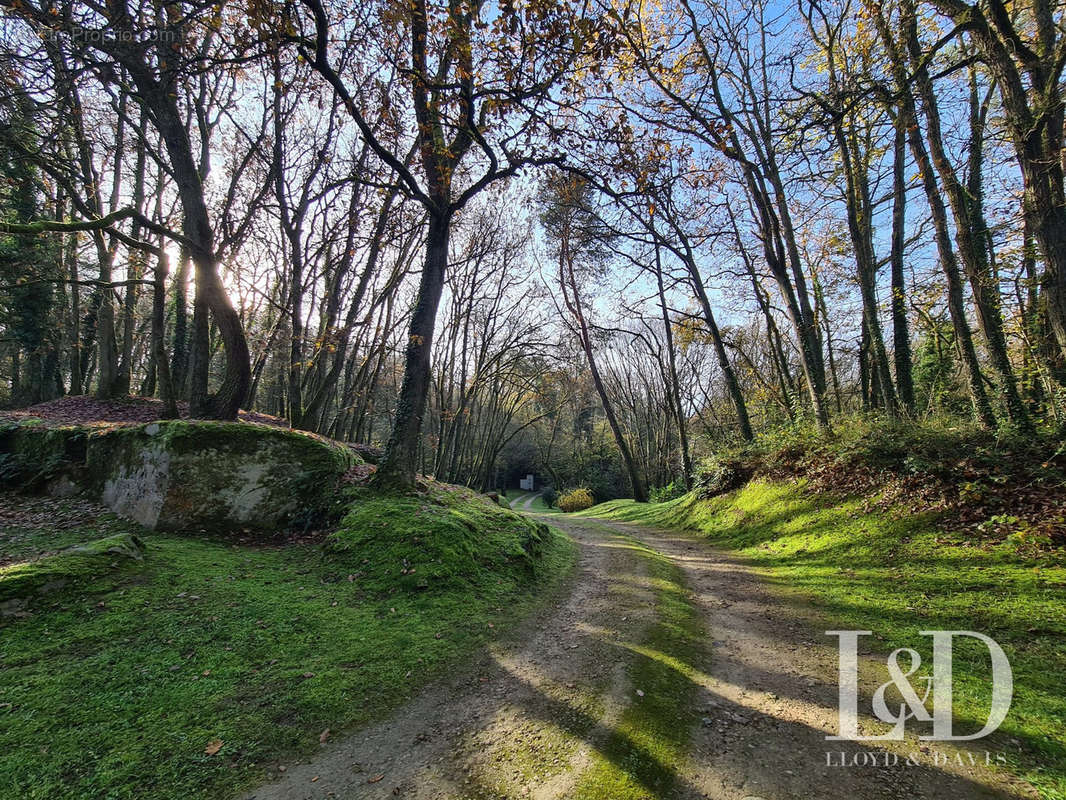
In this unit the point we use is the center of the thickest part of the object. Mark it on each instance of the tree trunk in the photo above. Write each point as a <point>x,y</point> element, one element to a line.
<point>740,406</point>
<point>179,357</point>
<point>969,222</point>
<point>159,345</point>
<point>196,226</point>
<point>901,341</point>
<point>399,464</point>
<point>572,299</point>
<point>675,388</point>
<point>948,261</point>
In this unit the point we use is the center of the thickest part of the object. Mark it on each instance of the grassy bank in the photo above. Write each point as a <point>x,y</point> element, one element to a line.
<point>193,673</point>
<point>897,573</point>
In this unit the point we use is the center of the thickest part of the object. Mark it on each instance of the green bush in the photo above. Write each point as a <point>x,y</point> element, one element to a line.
<point>576,500</point>
<point>663,494</point>
<point>550,496</point>
<point>715,475</point>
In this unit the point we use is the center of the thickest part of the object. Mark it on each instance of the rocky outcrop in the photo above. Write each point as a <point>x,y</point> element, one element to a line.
<point>180,475</point>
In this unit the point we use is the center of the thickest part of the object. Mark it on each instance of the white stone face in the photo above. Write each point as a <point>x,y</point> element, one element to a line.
<point>139,491</point>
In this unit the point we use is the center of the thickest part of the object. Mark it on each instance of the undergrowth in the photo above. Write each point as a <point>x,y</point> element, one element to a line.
<point>965,473</point>
<point>196,674</point>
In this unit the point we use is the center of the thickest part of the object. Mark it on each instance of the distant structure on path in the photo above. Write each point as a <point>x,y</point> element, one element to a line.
<point>526,483</point>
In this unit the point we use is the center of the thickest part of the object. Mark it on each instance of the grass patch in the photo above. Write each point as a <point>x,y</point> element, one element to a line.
<point>541,507</point>
<point>116,686</point>
<point>896,573</point>
<point>642,753</point>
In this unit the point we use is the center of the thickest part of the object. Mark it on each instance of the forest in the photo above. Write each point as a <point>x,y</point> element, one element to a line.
<point>594,242</point>
<point>768,298</point>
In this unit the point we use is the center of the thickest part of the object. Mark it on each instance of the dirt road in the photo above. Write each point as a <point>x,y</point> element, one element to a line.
<point>525,502</point>
<point>533,717</point>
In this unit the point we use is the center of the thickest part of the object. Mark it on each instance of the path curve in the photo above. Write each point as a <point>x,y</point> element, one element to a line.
<point>525,720</point>
<point>524,502</point>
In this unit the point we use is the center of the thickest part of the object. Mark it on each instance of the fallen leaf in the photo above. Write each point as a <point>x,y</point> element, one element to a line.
<point>376,778</point>
<point>323,736</point>
<point>213,747</point>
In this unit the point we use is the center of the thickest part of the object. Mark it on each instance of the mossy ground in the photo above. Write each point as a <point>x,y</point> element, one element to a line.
<point>442,537</point>
<point>897,573</point>
<point>115,686</point>
<point>644,750</point>
<point>20,581</point>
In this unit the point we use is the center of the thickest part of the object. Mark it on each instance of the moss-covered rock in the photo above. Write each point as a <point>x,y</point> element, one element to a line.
<point>437,539</point>
<point>20,582</point>
<point>219,476</point>
<point>33,454</point>
<point>183,475</point>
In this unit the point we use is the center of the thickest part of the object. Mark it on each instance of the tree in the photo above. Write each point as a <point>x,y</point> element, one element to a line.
<point>480,83</point>
<point>156,54</point>
<point>579,238</point>
<point>711,71</point>
<point>1026,55</point>
<point>28,264</point>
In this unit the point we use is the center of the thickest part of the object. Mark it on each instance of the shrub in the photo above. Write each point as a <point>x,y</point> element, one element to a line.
<point>576,500</point>
<point>550,496</point>
<point>715,476</point>
<point>672,491</point>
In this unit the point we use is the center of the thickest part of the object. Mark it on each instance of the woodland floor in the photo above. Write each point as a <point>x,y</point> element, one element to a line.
<point>672,669</point>
<point>84,409</point>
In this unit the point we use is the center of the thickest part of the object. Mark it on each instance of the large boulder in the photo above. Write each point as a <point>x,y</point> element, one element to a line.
<point>217,476</point>
<point>181,475</point>
<point>34,455</point>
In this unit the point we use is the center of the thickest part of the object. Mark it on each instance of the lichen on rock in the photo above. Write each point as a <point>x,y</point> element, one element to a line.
<point>215,476</point>
<point>221,477</point>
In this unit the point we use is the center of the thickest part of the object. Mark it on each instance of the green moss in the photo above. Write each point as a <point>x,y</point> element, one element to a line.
<point>114,690</point>
<point>218,476</point>
<point>31,453</point>
<point>183,437</point>
<point>443,538</point>
<point>70,566</point>
<point>897,574</point>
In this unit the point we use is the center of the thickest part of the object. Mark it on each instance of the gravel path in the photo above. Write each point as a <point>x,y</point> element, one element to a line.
<point>523,720</point>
